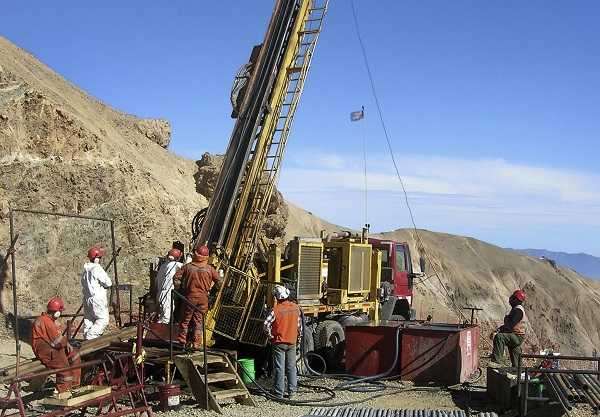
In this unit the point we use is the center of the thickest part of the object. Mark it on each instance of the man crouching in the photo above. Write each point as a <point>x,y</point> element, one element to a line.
<point>53,349</point>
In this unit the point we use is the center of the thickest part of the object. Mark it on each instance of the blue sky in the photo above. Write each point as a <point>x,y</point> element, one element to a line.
<point>493,107</point>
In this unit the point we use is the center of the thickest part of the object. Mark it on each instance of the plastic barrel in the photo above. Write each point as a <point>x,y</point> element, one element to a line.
<point>247,371</point>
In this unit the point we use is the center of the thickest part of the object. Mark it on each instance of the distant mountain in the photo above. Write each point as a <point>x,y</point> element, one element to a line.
<point>583,263</point>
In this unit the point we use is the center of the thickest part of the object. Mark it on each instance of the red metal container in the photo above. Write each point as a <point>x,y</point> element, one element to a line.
<point>445,354</point>
<point>370,348</point>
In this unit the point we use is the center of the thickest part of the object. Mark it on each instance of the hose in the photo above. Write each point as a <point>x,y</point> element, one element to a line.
<point>352,383</point>
<point>330,394</point>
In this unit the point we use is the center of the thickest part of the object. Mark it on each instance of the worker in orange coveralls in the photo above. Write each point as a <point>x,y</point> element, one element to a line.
<point>53,349</point>
<point>194,281</point>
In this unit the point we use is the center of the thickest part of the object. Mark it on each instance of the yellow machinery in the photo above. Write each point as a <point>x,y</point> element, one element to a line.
<point>329,276</point>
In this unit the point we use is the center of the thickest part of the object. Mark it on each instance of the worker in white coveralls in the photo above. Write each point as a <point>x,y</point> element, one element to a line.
<point>95,283</point>
<point>164,284</point>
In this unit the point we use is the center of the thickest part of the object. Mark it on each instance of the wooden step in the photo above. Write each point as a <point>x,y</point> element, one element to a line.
<point>198,360</point>
<point>221,377</point>
<point>229,393</point>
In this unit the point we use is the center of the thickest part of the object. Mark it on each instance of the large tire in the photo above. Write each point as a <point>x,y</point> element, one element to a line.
<point>308,346</point>
<point>330,342</point>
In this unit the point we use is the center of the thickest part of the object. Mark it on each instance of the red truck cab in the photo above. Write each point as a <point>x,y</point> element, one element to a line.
<point>396,279</point>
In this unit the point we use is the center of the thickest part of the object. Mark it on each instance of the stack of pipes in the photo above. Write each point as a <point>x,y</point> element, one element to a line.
<point>591,389</point>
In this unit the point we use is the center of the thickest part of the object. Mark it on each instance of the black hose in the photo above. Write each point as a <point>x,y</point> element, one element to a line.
<point>330,392</point>
<point>352,383</point>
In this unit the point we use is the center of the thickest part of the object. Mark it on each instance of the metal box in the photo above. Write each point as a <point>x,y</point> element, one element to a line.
<point>370,348</point>
<point>307,256</point>
<point>501,389</point>
<point>444,354</point>
<point>348,271</point>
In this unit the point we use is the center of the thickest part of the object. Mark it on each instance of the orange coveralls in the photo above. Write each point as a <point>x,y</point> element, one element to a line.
<point>53,350</point>
<point>196,280</point>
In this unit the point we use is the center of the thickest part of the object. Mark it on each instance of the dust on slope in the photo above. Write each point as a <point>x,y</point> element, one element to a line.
<point>64,151</point>
<point>561,305</point>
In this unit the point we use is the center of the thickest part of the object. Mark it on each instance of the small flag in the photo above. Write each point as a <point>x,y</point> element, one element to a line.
<point>355,116</point>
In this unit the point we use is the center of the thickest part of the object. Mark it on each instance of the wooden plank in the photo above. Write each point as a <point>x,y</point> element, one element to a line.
<point>221,377</point>
<point>199,359</point>
<point>194,381</point>
<point>87,347</point>
<point>242,399</point>
<point>85,394</point>
<point>229,393</point>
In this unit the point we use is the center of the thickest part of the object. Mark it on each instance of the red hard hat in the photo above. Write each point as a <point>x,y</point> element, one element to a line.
<point>202,250</point>
<point>175,253</point>
<point>519,295</point>
<point>56,304</point>
<point>95,252</point>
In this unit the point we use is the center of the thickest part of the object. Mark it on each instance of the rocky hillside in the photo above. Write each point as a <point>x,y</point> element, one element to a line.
<point>63,151</point>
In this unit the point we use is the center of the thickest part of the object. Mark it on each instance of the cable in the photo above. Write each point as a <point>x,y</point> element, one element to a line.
<point>418,239</point>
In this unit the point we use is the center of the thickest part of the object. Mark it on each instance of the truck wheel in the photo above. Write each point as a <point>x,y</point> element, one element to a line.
<point>330,342</point>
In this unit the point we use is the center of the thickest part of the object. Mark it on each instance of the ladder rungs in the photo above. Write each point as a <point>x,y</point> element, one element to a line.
<point>294,69</point>
<point>221,377</point>
<point>309,32</point>
<point>229,393</point>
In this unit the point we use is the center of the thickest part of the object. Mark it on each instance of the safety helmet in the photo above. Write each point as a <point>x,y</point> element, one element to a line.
<point>519,295</point>
<point>174,253</point>
<point>202,250</point>
<point>280,292</point>
<point>95,252</point>
<point>56,304</point>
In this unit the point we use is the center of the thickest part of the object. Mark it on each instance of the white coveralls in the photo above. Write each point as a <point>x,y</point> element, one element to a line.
<point>164,285</point>
<point>94,282</point>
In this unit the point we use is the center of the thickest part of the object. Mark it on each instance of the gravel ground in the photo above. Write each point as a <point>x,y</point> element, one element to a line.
<point>394,398</point>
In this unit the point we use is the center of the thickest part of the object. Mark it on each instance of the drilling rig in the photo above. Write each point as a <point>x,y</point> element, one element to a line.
<point>336,279</point>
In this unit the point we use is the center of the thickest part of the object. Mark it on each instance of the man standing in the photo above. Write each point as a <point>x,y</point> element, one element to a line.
<point>53,349</point>
<point>283,327</point>
<point>164,284</point>
<point>95,282</point>
<point>511,333</point>
<point>194,281</point>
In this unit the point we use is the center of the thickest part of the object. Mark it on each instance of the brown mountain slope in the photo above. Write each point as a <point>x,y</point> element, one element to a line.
<point>562,305</point>
<point>63,151</point>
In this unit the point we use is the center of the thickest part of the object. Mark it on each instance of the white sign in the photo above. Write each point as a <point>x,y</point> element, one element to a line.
<point>469,343</point>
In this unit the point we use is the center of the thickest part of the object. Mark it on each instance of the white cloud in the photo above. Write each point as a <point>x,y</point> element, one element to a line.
<point>454,195</point>
<point>484,178</point>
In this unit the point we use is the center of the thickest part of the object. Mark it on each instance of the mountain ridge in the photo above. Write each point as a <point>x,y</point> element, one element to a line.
<point>584,263</point>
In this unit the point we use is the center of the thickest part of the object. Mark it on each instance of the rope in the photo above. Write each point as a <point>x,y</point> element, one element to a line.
<point>418,239</point>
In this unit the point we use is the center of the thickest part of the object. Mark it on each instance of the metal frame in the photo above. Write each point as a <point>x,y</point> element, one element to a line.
<point>12,212</point>
<point>122,389</point>
<point>523,392</point>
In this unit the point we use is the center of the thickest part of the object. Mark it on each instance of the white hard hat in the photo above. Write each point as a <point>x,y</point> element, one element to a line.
<point>280,292</point>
